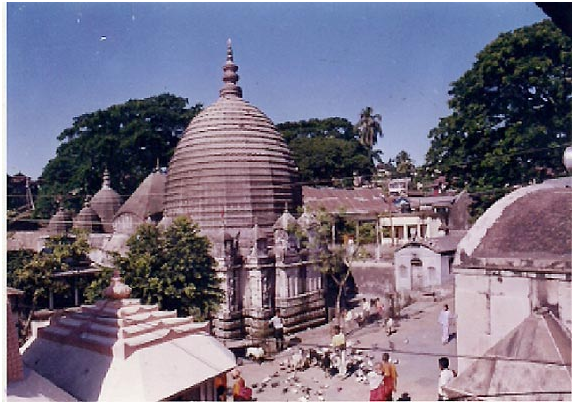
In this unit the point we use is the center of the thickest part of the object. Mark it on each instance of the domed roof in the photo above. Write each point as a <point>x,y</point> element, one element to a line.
<point>232,167</point>
<point>88,220</point>
<point>285,222</point>
<point>529,227</point>
<point>148,198</point>
<point>61,222</point>
<point>106,203</point>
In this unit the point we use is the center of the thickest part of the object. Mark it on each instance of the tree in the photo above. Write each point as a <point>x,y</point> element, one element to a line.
<point>511,115</point>
<point>128,139</point>
<point>404,164</point>
<point>369,128</point>
<point>34,275</point>
<point>334,261</point>
<point>335,127</point>
<point>171,267</point>
<point>326,149</point>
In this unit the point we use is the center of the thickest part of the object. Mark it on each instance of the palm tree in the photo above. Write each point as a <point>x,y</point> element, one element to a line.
<point>369,128</point>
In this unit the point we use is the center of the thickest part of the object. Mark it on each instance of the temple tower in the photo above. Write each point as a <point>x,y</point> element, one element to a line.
<point>233,175</point>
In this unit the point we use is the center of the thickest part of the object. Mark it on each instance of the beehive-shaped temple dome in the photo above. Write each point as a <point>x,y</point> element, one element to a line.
<point>88,220</point>
<point>106,203</point>
<point>61,222</point>
<point>232,167</point>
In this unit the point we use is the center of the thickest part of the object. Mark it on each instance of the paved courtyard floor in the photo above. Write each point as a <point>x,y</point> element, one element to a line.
<point>416,345</point>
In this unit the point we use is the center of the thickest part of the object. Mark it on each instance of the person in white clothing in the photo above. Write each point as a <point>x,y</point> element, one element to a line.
<point>277,325</point>
<point>445,377</point>
<point>366,307</point>
<point>444,321</point>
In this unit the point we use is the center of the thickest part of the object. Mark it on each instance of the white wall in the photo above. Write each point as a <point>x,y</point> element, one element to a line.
<point>405,220</point>
<point>423,276</point>
<point>490,307</point>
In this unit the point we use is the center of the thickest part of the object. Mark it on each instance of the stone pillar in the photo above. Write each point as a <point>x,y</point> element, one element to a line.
<point>51,299</point>
<point>254,279</point>
<point>76,295</point>
<point>281,283</point>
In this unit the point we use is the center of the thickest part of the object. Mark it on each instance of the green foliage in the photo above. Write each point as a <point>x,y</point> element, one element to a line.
<point>94,289</point>
<point>128,139</point>
<point>172,268</point>
<point>324,149</point>
<point>35,277</point>
<point>404,164</point>
<point>369,127</point>
<point>367,233</point>
<point>334,128</point>
<point>16,260</point>
<point>511,114</point>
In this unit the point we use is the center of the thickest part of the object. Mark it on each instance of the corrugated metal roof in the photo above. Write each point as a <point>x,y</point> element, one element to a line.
<point>360,201</point>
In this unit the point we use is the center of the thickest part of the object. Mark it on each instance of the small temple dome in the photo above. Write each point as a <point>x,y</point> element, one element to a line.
<point>285,222</point>
<point>232,167</point>
<point>106,203</point>
<point>531,223</point>
<point>61,222</point>
<point>146,203</point>
<point>88,220</point>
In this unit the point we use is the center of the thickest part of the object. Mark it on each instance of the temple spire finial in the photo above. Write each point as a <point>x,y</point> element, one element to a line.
<point>106,179</point>
<point>230,76</point>
<point>229,51</point>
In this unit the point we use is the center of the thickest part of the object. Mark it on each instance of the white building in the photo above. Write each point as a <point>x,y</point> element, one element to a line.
<point>424,264</point>
<point>513,273</point>
<point>400,228</point>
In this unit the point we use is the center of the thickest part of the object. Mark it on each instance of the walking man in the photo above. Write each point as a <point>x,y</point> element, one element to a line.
<point>277,325</point>
<point>444,321</point>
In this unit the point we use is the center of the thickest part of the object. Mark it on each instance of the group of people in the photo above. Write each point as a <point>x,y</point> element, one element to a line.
<point>382,379</point>
<point>367,312</point>
<point>239,390</point>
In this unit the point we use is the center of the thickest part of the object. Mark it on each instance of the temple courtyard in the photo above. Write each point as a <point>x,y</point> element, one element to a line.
<point>416,345</point>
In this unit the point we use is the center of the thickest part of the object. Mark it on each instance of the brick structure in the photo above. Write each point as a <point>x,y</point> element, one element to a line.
<point>14,366</point>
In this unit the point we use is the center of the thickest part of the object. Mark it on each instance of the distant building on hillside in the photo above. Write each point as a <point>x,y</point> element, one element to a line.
<point>398,186</point>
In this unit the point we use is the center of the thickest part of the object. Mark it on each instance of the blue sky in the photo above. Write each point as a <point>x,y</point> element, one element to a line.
<point>296,61</point>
